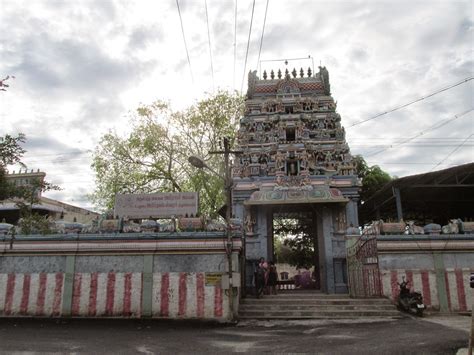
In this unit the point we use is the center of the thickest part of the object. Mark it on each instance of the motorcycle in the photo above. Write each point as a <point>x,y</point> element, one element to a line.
<point>410,302</point>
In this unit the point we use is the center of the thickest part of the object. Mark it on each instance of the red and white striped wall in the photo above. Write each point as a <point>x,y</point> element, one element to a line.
<point>106,294</point>
<point>31,294</point>
<point>185,295</point>
<point>456,287</point>
<point>174,295</point>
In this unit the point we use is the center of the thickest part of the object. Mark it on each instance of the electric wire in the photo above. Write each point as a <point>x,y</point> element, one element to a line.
<point>209,41</point>
<point>248,45</point>
<point>412,102</point>
<point>431,128</point>
<point>452,152</point>
<point>235,43</point>
<point>184,40</point>
<point>263,32</point>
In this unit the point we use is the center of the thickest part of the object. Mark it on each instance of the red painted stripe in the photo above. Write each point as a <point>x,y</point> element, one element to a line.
<point>380,276</point>
<point>409,274</point>
<point>394,284</point>
<point>41,294</point>
<point>109,302</point>
<point>461,291</point>
<point>9,294</point>
<point>425,281</point>
<point>141,295</point>
<point>25,297</point>
<point>58,290</point>
<point>182,294</point>
<point>93,295</point>
<point>447,289</point>
<point>200,294</point>
<point>218,301</point>
<point>165,284</point>
<point>76,294</point>
<point>127,295</point>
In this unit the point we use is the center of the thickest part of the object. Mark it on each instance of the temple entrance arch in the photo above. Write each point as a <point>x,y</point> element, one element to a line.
<point>325,225</point>
<point>294,247</point>
<point>293,158</point>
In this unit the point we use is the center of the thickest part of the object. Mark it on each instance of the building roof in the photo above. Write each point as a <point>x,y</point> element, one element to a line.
<point>435,196</point>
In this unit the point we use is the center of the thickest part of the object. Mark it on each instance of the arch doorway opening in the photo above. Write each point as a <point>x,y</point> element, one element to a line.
<point>295,249</point>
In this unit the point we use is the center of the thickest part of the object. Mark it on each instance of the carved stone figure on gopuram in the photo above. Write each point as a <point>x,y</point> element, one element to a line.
<point>291,130</point>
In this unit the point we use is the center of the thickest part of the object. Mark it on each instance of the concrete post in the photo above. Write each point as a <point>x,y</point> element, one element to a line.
<point>68,285</point>
<point>441,282</point>
<point>147,290</point>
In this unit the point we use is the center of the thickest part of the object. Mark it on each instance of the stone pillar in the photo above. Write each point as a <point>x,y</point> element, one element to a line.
<point>256,246</point>
<point>262,231</point>
<point>398,202</point>
<point>328,252</point>
<point>352,213</point>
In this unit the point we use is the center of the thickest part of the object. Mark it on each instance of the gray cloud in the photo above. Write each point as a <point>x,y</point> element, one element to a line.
<point>72,66</point>
<point>142,37</point>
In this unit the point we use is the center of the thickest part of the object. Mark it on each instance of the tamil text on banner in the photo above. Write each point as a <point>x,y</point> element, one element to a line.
<point>157,205</point>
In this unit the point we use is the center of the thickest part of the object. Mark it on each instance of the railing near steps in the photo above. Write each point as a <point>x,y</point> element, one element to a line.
<point>363,268</point>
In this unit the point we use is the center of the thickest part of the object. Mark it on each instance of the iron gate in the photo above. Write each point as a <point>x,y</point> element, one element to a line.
<point>363,268</point>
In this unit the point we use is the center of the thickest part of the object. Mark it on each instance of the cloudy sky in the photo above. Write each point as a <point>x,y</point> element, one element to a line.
<point>82,66</point>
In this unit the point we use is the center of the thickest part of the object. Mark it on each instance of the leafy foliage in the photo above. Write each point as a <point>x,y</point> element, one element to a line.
<point>11,152</point>
<point>153,157</point>
<point>34,223</point>
<point>373,177</point>
<point>295,242</point>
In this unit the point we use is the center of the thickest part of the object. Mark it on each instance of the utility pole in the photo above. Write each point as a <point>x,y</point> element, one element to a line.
<point>228,215</point>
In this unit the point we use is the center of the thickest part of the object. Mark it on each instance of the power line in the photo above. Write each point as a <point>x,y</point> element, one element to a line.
<point>412,102</point>
<point>209,41</point>
<point>263,31</point>
<point>248,45</point>
<point>452,152</point>
<point>184,39</point>
<point>433,127</point>
<point>235,43</point>
<point>406,163</point>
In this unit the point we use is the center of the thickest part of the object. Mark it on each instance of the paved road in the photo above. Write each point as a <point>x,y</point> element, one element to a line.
<point>407,336</point>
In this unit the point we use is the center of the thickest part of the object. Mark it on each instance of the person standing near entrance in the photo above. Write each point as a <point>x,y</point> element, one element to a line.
<point>259,277</point>
<point>272,278</point>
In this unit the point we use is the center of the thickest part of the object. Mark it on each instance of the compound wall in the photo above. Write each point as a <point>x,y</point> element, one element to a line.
<point>438,267</point>
<point>177,284</point>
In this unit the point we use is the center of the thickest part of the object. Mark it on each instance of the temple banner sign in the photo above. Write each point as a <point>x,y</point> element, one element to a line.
<point>157,205</point>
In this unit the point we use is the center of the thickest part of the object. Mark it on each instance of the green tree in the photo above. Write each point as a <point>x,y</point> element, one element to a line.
<point>373,177</point>
<point>295,241</point>
<point>153,156</point>
<point>11,153</point>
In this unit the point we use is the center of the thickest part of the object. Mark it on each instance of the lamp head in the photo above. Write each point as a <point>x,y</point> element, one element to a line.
<point>196,162</point>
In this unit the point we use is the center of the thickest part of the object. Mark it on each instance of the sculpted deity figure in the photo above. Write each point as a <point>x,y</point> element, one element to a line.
<point>279,160</point>
<point>304,159</point>
<point>249,223</point>
<point>328,156</point>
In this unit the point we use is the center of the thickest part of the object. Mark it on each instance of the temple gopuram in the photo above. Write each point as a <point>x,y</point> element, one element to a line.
<point>295,159</point>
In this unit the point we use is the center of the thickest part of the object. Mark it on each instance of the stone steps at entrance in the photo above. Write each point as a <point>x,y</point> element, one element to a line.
<point>314,305</point>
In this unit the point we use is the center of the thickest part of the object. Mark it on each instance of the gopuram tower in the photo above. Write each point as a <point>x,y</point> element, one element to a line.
<point>295,159</point>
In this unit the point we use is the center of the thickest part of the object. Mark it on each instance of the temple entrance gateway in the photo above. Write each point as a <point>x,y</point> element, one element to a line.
<point>295,162</point>
<point>295,248</point>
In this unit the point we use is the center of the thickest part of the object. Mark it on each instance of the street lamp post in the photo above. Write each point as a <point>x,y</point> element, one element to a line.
<point>199,163</point>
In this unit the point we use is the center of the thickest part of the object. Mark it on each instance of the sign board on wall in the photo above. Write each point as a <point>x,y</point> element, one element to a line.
<point>157,205</point>
<point>213,278</point>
